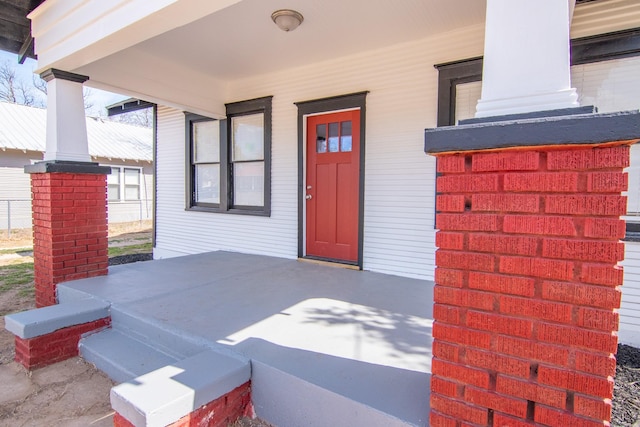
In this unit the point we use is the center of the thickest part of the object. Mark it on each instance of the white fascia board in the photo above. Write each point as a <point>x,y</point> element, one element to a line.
<point>70,34</point>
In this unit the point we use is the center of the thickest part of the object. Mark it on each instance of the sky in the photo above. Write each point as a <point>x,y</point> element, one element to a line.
<point>99,98</point>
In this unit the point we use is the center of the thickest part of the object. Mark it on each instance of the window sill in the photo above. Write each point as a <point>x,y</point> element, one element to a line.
<point>229,211</point>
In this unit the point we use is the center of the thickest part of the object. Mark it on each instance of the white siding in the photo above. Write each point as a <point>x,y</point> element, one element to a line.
<point>132,210</point>
<point>630,308</point>
<point>399,176</point>
<point>15,191</point>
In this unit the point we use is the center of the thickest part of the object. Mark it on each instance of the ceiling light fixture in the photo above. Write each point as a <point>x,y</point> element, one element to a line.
<point>287,19</point>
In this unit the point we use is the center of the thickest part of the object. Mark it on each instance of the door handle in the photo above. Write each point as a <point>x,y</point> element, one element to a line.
<point>308,197</point>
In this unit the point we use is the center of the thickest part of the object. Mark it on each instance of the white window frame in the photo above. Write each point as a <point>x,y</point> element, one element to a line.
<point>122,184</point>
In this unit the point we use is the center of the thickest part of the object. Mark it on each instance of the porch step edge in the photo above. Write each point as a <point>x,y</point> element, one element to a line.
<point>163,336</point>
<point>165,395</point>
<point>121,357</point>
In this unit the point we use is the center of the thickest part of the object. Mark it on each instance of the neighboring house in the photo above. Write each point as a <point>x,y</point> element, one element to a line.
<point>126,148</point>
<point>310,143</point>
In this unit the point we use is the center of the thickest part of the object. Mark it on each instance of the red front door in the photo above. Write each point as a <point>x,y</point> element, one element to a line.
<point>333,189</point>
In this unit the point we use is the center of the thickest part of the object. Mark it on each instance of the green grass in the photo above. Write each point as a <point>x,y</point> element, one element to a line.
<point>15,276</point>
<point>131,249</point>
<point>18,276</point>
<point>14,251</point>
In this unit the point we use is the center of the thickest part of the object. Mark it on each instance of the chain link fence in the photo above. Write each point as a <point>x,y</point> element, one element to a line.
<point>16,213</point>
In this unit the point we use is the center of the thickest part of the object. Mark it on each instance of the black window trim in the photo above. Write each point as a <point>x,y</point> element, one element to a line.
<point>584,50</point>
<point>245,108</point>
<point>234,109</point>
<point>190,120</point>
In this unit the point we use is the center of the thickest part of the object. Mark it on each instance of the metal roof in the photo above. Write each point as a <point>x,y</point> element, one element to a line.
<point>24,128</point>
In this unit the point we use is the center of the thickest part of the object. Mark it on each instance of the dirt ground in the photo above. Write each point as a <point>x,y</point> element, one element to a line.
<point>67,394</point>
<point>72,393</point>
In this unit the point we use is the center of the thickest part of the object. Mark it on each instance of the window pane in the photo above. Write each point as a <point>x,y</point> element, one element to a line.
<point>207,184</point>
<point>345,136</point>
<point>467,96</point>
<point>114,177</point>
<point>248,137</point>
<point>131,176</point>
<point>132,192</point>
<point>113,192</point>
<point>333,137</point>
<point>206,145</point>
<point>248,184</point>
<point>321,138</point>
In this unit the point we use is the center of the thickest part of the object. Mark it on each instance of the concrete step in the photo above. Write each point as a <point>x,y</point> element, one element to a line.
<point>120,356</point>
<point>160,336</point>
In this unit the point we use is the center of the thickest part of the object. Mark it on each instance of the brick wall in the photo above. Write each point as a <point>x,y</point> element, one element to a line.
<point>69,230</point>
<point>57,346</point>
<point>219,413</point>
<point>527,286</point>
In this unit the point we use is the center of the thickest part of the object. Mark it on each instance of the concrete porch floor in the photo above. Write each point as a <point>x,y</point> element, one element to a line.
<point>346,340</point>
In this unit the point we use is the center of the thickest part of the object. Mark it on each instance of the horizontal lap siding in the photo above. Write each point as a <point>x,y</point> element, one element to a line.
<point>399,176</point>
<point>15,185</point>
<point>630,306</point>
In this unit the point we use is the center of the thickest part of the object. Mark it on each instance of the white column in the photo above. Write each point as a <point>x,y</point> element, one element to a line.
<point>66,125</point>
<point>526,57</point>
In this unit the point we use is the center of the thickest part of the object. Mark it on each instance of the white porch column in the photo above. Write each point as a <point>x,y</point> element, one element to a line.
<point>526,57</point>
<point>66,125</point>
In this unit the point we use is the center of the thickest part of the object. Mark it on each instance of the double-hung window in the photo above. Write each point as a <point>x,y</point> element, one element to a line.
<point>229,161</point>
<point>123,184</point>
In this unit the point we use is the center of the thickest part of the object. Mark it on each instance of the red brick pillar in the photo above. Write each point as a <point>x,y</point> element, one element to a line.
<point>69,204</point>
<point>527,286</point>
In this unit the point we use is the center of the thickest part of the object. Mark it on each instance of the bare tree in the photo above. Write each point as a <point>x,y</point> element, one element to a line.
<point>142,117</point>
<point>12,89</point>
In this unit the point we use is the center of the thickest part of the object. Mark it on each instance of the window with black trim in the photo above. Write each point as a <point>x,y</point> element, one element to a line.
<point>229,161</point>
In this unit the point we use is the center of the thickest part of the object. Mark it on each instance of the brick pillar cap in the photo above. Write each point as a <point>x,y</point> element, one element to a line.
<point>64,166</point>
<point>538,131</point>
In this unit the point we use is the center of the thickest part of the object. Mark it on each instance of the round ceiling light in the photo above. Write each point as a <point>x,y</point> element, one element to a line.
<point>287,19</point>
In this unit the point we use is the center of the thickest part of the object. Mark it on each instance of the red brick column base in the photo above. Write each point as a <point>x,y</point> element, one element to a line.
<point>219,413</point>
<point>69,230</point>
<point>527,286</point>
<point>54,347</point>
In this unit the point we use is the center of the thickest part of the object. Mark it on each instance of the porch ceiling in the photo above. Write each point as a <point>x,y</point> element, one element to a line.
<point>183,53</point>
<point>241,41</point>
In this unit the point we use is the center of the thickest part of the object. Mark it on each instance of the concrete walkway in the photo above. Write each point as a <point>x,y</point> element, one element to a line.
<point>349,339</point>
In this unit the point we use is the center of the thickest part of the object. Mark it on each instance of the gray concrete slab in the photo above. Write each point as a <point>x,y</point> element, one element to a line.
<point>361,335</point>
